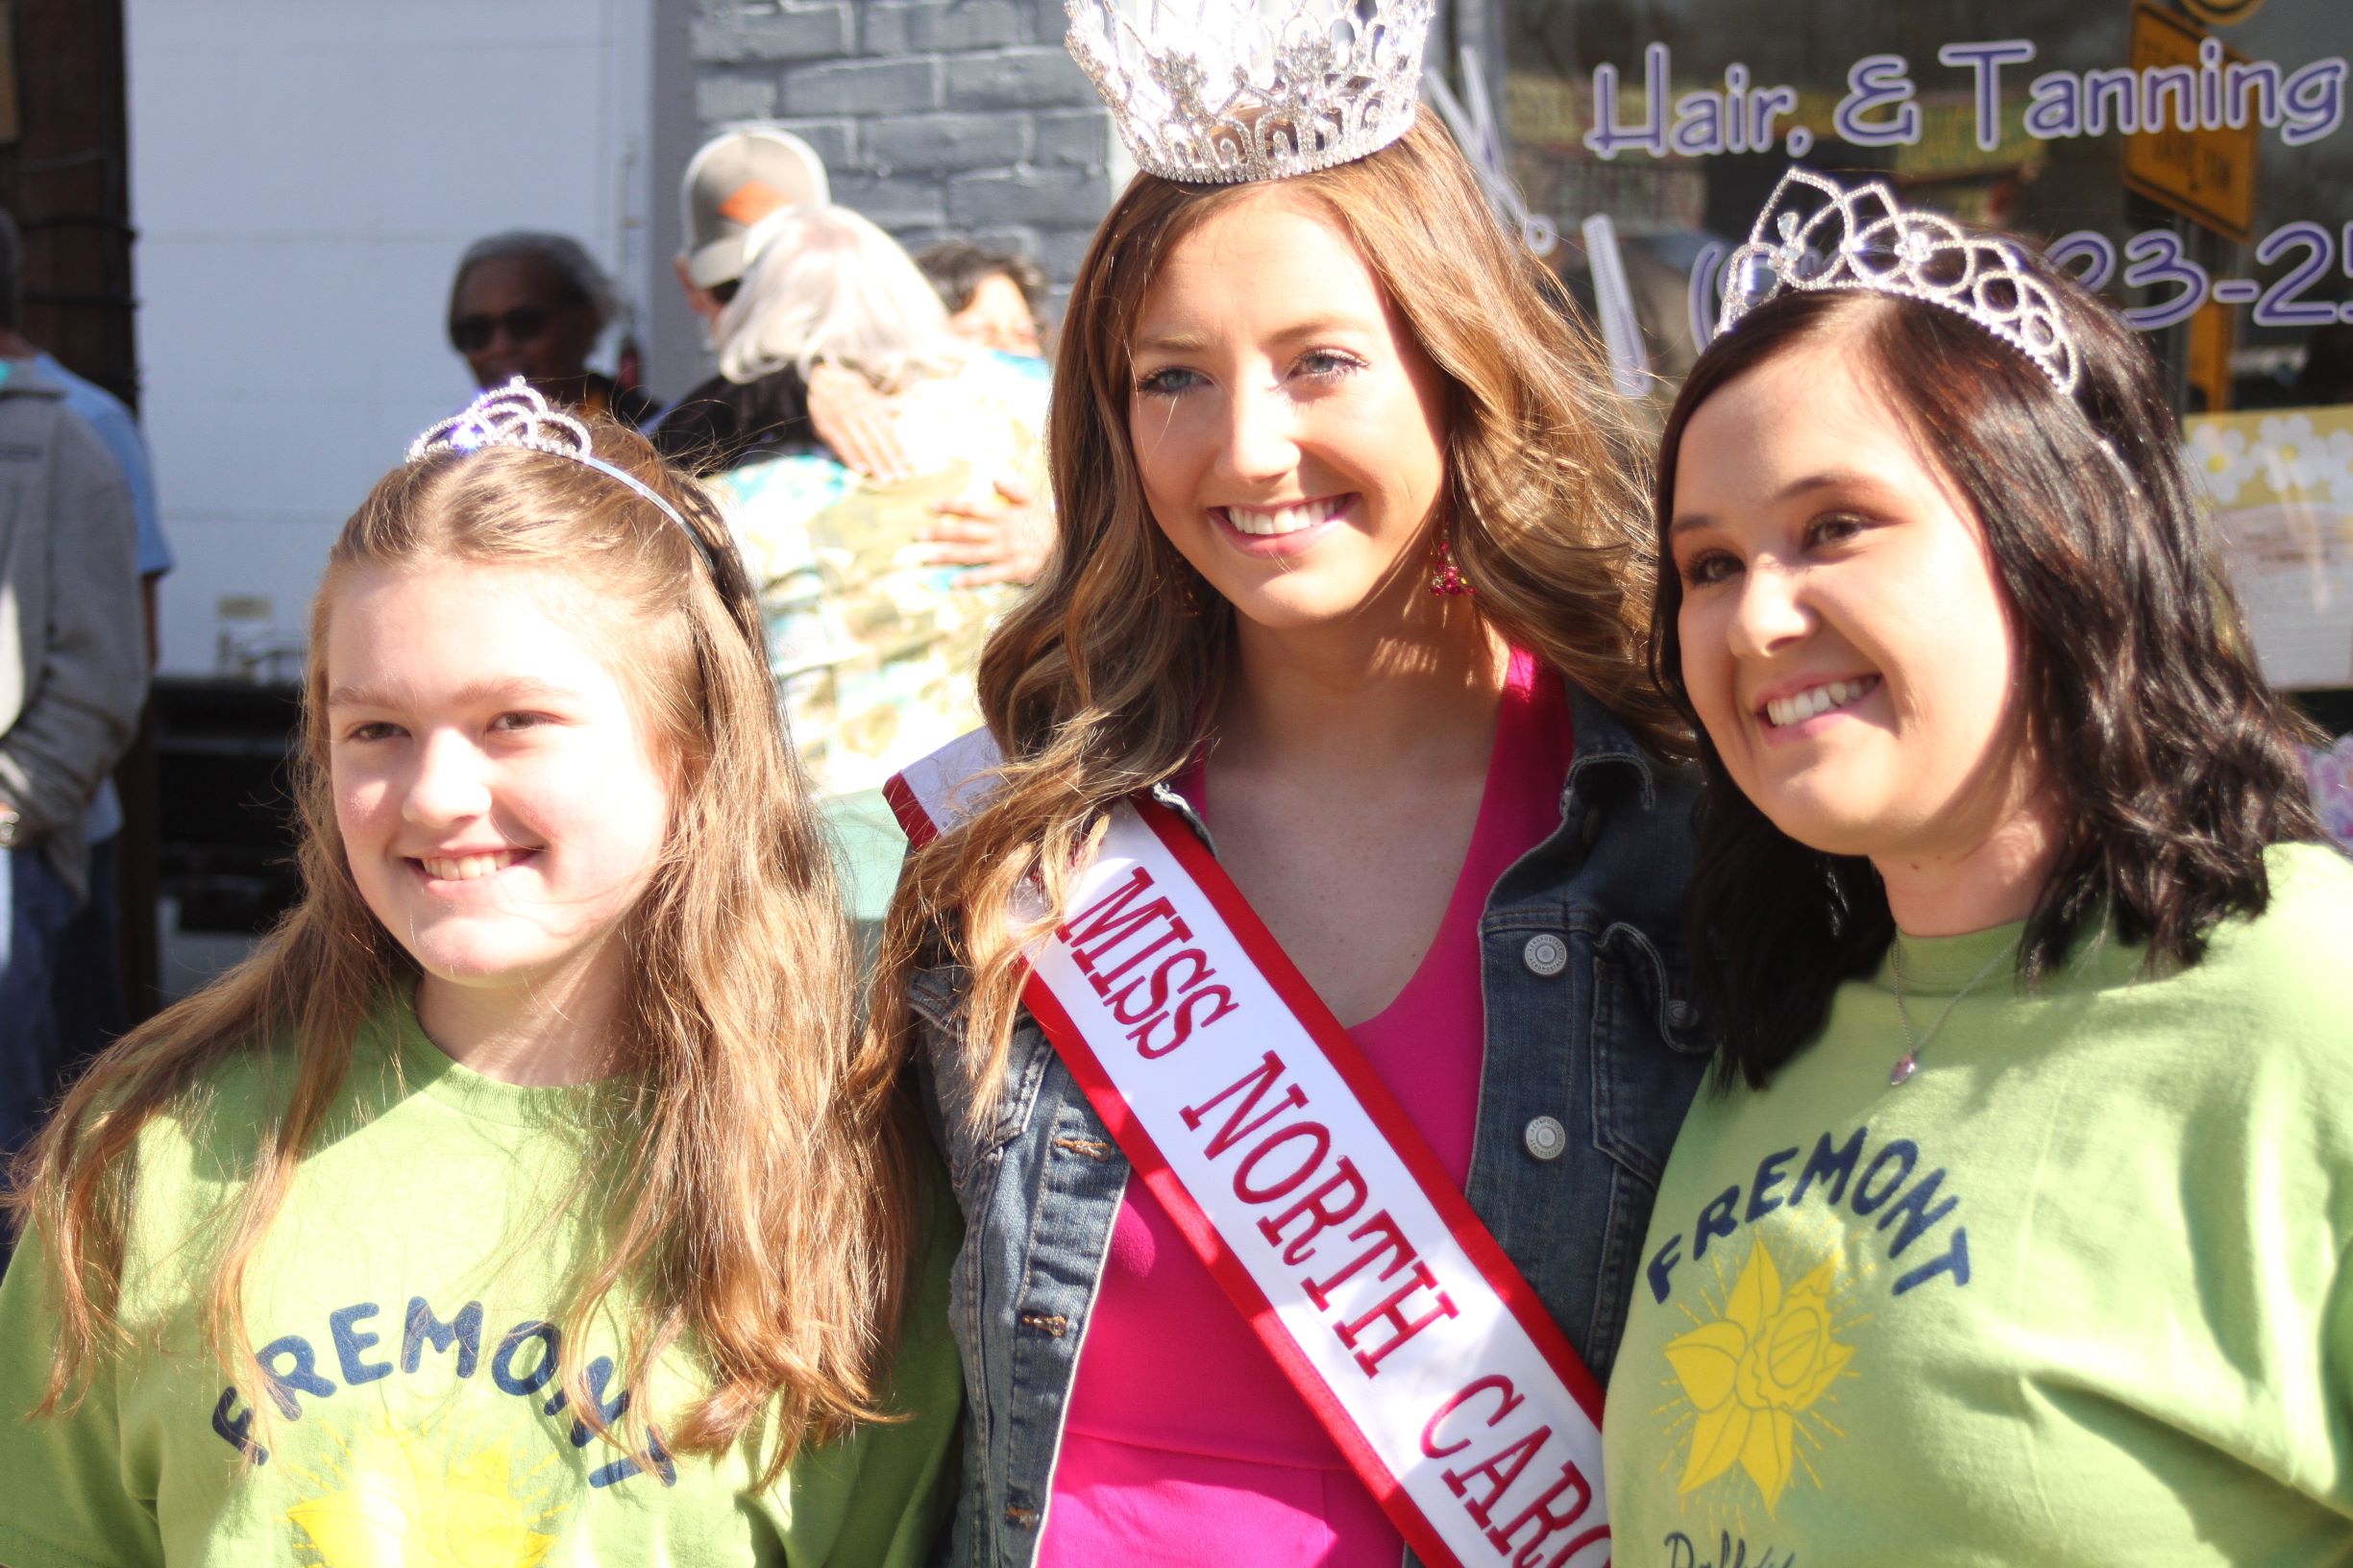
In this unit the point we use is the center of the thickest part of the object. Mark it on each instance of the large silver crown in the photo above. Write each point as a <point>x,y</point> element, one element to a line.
<point>1862,238</point>
<point>1219,91</point>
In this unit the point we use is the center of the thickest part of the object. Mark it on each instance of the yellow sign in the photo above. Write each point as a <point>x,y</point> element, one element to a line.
<point>2209,175</point>
<point>2209,345</point>
<point>2223,12</point>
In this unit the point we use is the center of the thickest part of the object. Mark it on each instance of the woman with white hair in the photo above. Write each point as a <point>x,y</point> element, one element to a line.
<point>875,636</point>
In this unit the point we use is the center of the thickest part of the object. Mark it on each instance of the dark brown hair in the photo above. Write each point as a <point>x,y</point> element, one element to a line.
<point>958,267</point>
<point>2174,763</point>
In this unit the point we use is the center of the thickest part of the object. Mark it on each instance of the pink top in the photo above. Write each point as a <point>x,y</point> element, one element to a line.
<point>1153,1469</point>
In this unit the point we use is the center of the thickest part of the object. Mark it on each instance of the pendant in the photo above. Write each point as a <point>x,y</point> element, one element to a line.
<point>1901,1072</point>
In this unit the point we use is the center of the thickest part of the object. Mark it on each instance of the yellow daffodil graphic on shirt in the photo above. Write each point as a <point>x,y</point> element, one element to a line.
<point>1780,1283</point>
<point>425,1499</point>
<point>1752,1375</point>
<point>463,1456</point>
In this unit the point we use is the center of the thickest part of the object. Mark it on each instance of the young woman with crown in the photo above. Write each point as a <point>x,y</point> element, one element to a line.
<point>2018,1231</point>
<point>1294,960</point>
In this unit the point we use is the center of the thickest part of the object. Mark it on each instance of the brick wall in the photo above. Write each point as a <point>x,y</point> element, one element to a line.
<point>935,117</point>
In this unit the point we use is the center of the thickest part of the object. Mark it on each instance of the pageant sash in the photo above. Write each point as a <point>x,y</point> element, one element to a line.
<point>1296,1178</point>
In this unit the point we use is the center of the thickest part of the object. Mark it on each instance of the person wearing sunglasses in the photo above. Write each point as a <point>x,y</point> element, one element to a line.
<point>532,304</point>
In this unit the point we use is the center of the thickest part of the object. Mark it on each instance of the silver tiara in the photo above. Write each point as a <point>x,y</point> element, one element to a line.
<point>516,415</point>
<point>1220,91</point>
<point>1862,238</point>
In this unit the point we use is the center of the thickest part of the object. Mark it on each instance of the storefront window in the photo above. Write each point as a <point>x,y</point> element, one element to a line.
<point>2190,158</point>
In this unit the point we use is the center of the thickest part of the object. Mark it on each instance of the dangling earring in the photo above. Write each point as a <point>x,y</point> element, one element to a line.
<point>1445,581</point>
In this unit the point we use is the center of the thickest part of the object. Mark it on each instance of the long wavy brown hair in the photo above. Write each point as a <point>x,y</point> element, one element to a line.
<point>766,1192</point>
<point>1106,678</point>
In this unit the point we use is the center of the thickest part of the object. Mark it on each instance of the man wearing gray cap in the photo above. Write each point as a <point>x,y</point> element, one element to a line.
<point>733,183</point>
<point>736,182</point>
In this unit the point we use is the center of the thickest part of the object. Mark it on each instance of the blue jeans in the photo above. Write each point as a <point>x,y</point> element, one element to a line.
<point>40,907</point>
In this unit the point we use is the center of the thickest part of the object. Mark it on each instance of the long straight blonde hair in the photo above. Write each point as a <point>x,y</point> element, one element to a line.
<point>1105,680</point>
<point>766,1222</point>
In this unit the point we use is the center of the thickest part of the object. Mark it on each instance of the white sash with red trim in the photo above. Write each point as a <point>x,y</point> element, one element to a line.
<point>1297,1178</point>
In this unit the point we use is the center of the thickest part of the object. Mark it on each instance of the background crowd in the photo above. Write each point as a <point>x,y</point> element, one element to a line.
<point>874,422</point>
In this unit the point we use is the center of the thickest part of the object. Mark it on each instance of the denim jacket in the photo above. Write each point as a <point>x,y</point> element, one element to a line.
<point>1593,1052</point>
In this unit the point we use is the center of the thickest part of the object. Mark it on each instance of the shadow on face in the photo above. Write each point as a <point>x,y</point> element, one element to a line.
<point>514,315</point>
<point>998,317</point>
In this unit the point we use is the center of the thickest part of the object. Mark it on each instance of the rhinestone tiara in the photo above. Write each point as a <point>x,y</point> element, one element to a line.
<point>516,415</point>
<point>1222,92</point>
<point>1863,238</point>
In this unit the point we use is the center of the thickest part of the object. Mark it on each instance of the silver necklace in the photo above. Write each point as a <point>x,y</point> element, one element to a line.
<point>1909,1064</point>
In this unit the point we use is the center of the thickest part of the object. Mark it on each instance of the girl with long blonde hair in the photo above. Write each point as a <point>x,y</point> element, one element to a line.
<point>528,1195</point>
<point>1349,582</point>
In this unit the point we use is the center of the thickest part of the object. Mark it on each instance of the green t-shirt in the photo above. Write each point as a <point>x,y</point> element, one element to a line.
<point>2076,1294</point>
<point>403,1303</point>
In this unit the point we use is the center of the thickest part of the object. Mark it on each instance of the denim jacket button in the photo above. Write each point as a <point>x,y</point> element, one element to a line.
<point>1545,954</point>
<point>1680,1014</point>
<point>1546,1139</point>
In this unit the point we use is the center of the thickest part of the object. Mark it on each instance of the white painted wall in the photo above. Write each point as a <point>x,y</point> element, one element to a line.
<point>304,174</point>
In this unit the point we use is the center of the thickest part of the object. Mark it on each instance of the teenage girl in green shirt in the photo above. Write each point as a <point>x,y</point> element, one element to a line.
<point>526,1198</point>
<point>2015,1231</point>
